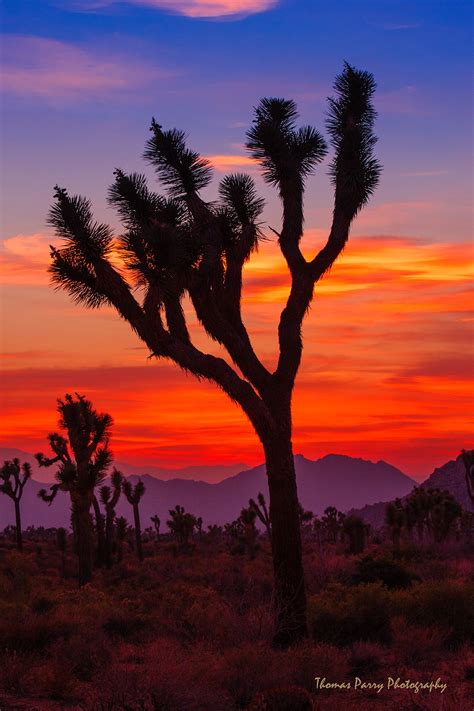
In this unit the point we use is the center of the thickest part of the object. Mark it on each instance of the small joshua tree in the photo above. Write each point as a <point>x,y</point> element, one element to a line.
<point>248,516</point>
<point>395,518</point>
<point>156,523</point>
<point>122,530</point>
<point>109,497</point>
<point>83,459</point>
<point>133,494</point>
<point>181,524</point>
<point>332,521</point>
<point>182,245</point>
<point>13,477</point>
<point>260,508</point>
<point>355,529</point>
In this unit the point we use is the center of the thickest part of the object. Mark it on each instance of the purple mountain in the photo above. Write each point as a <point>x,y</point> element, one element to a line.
<point>334,480</point>
<point>450,477</point>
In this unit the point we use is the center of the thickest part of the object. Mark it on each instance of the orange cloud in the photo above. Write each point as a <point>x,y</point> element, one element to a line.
<point>52,69</point>
<point>24,259</point>
<point>224,163</point>
<point>385,371</point>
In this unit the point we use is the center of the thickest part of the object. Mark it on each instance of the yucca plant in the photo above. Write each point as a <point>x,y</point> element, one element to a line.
<point>13,477</point>
<point>82,461</point>
<point>261,509</point>
<point>133,494</point>
<point>109,497</point>
<point>181,245</point>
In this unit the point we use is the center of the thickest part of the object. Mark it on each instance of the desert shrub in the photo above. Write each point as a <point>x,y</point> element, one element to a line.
<point>365,658</point>
<point>169,677</point>
<point>14,671</point>
<point>416,646</point>
<point>342,616</point>
<point>284,698</point>
<point>392,574</point>
<point>18,572</point>
<point>308,660</point>
<point>446,604</point>
<point>126,624</point>
<point>249,669</point>
<point>43,604</point>
<point>31,633</point>
<point>84,653</point>
<point>196,612</point>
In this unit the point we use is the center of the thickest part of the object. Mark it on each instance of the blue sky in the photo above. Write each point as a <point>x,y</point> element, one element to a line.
<point>205,75</point>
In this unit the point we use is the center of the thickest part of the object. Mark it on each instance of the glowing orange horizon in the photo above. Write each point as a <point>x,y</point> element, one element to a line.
<point>385,371</point>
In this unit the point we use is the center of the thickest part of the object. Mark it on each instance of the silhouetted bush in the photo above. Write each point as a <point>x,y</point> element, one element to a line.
<point>393,575</point>
<point>447,604</point>
<point>342,616</point>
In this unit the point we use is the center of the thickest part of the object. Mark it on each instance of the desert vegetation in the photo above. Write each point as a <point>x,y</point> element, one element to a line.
<point>191,625</point>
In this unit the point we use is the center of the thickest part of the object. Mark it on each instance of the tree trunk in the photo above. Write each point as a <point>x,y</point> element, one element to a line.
<point>81,513</point>
<point>138,532</point>
<point>109,534</point>
<point>19,536</point>
<point>99,527</point>
<point>290,594</point>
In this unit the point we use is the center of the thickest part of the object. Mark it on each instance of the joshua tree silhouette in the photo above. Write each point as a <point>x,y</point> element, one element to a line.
<point>133,494</point>
<point>182,524</point>
<point>13,477</point>
<point>83,459</point>
<point>181,245</point>
<point>260,508</point>
<point>109,498</point>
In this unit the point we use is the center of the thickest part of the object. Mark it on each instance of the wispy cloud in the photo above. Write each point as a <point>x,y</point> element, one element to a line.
<point>50,69</point>
<point>232,9</point>
<point>223,163</point>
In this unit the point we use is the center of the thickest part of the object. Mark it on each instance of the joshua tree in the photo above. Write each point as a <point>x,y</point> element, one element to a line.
<point>13,477</point>
<point>182,245</point>
<point>444,511</point>
<point>248,516</point>
<point>133,494</point>
<point>395,518</point>
<point>83,459</point>
<point>260,508</point>
<point>199,523</point>
<point>156,523</point>
<point>109,498</point>
<point>181,524</point>
<point>356,530</point>
<point>468,459</point>
<point>61,542</point>
<point>122,530</point>
<point>332,522</point>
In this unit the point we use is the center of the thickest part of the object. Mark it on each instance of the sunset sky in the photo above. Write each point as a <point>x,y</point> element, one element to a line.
<point>388,362</point>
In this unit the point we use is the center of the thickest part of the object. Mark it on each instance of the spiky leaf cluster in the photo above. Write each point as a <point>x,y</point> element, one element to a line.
<point>84,457</point>
<point>285,153</point>
<point>354,170</point>
<point>182,171</point>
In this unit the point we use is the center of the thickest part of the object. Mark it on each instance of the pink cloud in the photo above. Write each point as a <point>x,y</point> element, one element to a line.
<point>195,8</point>
<point>225,163</point>
<point>51,69</point>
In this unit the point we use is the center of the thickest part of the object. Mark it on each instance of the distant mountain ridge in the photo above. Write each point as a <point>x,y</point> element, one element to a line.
<point>450,477</point>
<point>333,480</point>
<point>213,473</point>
